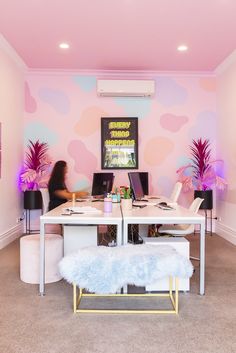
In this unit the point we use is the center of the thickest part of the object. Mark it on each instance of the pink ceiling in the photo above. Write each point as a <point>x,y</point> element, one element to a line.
<point>120,34</point>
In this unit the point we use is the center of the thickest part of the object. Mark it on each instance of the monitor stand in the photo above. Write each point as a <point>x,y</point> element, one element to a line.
<point>98,198</point>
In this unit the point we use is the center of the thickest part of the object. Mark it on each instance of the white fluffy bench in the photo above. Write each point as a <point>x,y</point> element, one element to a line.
<point>105,270</point>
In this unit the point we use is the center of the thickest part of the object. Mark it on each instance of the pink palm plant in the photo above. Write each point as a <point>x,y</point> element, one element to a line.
<point>203,175</point>
<point>36,166</point>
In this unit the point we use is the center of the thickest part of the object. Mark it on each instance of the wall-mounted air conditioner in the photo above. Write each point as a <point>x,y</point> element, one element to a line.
<point>125,88</point>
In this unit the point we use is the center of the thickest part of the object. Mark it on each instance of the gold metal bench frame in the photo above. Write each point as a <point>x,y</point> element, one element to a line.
<point>173,298</point>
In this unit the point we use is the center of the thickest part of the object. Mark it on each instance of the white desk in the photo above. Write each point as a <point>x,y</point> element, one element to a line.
<point>147,215</point>
<point>55,217</point>
<point>154,215</point>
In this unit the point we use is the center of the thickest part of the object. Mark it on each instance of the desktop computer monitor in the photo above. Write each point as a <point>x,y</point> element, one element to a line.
<point>102,183</point>
<point>136,185</point>
<point>144,181</point>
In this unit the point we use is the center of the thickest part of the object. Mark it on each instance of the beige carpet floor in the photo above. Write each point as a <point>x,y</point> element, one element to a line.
<point>30,323</point>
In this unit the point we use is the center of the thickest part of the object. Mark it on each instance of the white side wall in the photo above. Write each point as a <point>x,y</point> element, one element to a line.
<point>226,146</point>
<point>11,118</point>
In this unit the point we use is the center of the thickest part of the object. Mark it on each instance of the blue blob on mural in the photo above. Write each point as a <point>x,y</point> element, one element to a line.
<point>37,131</point>
<point>57,99</point>
<point>185,160</point>
<point>86,83</point>
<point>139,107</point>
<point>205,126</point>
<point>82,184</point>
<point>170,93</point>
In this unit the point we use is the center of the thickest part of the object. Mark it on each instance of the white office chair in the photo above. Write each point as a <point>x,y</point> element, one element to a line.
<point>50,228</point>
<point>181,230</point>
<point>45,198</point>
<point>176,192</point>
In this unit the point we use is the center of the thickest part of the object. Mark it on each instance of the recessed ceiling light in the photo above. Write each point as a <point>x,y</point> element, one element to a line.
<point>182,47</point>
<point>64,46</point>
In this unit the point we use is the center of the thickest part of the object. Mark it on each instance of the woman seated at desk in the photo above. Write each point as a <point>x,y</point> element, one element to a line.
<point>58,191</point>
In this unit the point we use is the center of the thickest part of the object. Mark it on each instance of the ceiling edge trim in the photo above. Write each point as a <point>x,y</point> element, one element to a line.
<point>231,59</point>
<point>119,73</point>
<point>6,47</point>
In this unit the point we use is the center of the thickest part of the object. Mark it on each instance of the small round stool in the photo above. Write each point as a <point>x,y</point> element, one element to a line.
<point>29,257</point>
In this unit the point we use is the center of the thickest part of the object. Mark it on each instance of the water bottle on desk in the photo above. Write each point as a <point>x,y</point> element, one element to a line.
<point>107,204</point>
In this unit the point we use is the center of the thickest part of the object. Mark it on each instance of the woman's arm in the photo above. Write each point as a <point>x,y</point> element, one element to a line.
<point>81,194</point>
<point>65,194</point>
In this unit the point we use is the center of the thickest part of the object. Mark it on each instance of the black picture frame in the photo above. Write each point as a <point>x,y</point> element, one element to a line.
<point>119,143</point>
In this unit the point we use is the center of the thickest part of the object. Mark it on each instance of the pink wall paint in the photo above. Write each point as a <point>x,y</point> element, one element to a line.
<point>64,110</point>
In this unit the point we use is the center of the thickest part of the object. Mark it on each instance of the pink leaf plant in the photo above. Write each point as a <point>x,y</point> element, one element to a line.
<point>36,168</point>
<point>203,175</point>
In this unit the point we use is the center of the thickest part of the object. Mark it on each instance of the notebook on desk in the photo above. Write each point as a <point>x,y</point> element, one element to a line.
<point>144,203</point>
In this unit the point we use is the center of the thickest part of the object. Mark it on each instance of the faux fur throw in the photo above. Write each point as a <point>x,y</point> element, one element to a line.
<point>102,269</point>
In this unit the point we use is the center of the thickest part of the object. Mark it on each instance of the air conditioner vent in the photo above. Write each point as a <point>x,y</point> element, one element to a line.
<point>125,88</point>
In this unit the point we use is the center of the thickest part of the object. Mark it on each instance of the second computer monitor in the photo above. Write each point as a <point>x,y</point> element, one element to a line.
<point>102,183</point>
<point>144,181</point>
<point>136,185</point>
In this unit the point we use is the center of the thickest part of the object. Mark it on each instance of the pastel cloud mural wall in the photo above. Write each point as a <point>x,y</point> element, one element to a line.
<point>65,111</point>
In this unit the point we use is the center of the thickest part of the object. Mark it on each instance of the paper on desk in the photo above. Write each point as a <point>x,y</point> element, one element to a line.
<point>85,209</point>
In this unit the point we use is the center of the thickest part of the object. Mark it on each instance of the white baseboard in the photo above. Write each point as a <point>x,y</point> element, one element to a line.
<point>226,232</point>
<point>12,234</point>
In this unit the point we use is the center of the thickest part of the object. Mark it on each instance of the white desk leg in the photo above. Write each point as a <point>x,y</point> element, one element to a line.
<point>125,241</point>
<point>119,239</point>
<point>202,258</point>
<point>42,260</point>
<point>125,232</point>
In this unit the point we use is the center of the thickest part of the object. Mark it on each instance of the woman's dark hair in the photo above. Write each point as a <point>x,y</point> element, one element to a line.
<point>58,173</point>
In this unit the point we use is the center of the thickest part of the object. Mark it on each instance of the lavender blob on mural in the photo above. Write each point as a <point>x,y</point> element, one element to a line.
<point>173,122</point>
<point>165,184</point>
<point>205,126</point>
<point>170,93</point>
<point>30,102</point>
<point>57,99</point>
<point>85,161</point>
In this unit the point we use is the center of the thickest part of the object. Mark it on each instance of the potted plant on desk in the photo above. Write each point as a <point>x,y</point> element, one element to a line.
<point>202,175</point>
<point>126,200</point>
<point>35,174</point>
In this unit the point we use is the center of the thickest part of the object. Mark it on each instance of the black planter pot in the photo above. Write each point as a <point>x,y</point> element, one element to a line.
<point>207,195</point>
<point>33,200</point>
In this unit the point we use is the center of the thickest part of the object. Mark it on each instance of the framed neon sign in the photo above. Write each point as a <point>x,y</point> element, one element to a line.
<point>119,143</point>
